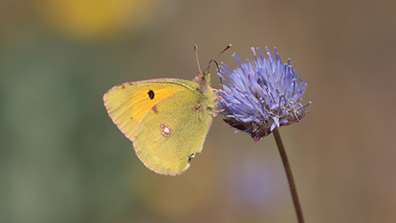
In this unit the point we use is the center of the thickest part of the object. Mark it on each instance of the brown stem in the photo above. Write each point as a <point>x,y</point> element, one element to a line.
<point>289,174</point>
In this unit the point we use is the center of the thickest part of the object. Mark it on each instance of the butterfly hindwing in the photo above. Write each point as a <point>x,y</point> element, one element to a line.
<point>170,135</point>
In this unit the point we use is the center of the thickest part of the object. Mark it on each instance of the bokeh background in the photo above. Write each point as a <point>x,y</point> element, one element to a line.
<point>63,160</point>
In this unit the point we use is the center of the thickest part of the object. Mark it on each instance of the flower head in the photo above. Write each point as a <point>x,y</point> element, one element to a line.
<point>261,95</point>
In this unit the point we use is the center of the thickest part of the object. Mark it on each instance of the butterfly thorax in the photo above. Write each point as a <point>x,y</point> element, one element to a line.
<point>209,98</point>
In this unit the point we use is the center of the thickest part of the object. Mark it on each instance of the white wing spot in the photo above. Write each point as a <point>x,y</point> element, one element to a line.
<point>165,130</point>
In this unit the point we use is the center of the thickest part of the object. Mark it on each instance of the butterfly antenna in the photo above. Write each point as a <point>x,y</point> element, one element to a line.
<point>210,62</point>
<point>196,57</point>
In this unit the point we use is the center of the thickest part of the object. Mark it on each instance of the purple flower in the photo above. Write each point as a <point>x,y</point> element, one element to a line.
<point>261,95</point>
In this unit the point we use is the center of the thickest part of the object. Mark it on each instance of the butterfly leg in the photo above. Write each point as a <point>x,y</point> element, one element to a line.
<point>219,90</point>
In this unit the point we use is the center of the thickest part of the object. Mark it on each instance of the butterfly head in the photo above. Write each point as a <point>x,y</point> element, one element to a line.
<point>203,78</point>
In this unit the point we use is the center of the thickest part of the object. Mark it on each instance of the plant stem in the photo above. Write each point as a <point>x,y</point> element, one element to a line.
<point>289,174</point>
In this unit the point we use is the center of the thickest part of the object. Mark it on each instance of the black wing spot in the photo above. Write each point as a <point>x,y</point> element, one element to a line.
<point>151,94</point>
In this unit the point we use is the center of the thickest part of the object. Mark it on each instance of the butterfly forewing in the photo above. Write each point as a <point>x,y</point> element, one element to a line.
<point>128,103</point>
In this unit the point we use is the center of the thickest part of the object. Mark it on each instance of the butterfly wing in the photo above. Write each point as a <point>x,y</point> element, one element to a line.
<point>172,133</point>
<point>166,119</point>
<point>128,103</point>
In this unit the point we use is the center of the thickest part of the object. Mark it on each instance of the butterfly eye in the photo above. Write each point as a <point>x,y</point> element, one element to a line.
<point>191,157</point>
<point>151,94</point>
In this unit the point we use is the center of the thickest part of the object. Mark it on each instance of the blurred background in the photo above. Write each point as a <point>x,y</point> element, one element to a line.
<point>63,160</point>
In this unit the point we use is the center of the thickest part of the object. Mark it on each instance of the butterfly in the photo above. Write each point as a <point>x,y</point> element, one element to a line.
<point>166,119</point>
